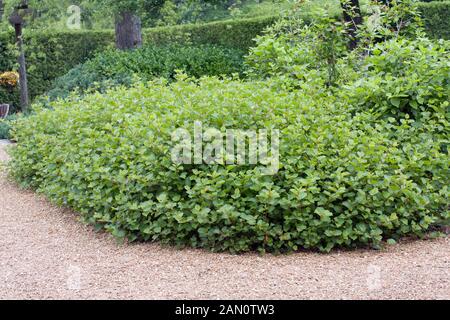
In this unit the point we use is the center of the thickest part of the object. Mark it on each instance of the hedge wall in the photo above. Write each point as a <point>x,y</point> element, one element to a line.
<point>237,34</point>
<point>51,55</point>
<point>436,16</point>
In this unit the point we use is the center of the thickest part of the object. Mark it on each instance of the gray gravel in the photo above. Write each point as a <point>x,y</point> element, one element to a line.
<point>46,253</point>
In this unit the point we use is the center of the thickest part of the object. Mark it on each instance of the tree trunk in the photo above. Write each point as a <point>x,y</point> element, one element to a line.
<point>128,31</point>
<point>353,17</point>
<point>23,81</point>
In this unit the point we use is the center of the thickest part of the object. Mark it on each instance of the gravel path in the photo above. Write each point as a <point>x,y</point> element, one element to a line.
<point>46,253</point>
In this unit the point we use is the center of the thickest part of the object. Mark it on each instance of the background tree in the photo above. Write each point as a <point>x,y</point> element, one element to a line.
<point>128,26</point>
<point>353,19</point>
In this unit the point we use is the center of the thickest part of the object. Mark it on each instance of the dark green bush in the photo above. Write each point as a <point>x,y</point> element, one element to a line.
<point>114,67</point>
<point>237,34</point>
<point>343,180</point>
<point>436,16</point>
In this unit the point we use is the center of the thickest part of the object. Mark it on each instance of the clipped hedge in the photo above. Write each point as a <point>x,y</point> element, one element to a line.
<point>343,180</point>
<point>436,16</point>
<point>50,55</point>
<point>113,67</point>
<point>237,34</point>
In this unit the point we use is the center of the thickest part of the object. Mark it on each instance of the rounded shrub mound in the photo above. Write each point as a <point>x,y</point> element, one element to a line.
<point>343,180</point>
<point>113,67</point>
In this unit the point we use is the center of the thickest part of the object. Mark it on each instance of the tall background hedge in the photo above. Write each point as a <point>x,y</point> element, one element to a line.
<point>52,54</point>
<point>436,15</point>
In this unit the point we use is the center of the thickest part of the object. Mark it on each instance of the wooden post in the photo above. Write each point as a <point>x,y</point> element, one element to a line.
<point>4,110</point>
<point>17,21</point>
<point>23,80</point>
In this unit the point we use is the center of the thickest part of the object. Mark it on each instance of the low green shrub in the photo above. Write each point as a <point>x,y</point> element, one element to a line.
<point>114,67</point>
<point>343,180</point>
<point>6,124</point>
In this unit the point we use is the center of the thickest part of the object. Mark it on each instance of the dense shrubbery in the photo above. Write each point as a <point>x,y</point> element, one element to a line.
<point>436,17</point>
<point>5,126</point>
<point>52,54</point>
<point>99,14</point>
<point>237,34</point>
<point>49,55</point>
<point>404,78</point>
<point>344,180</point>
<point>298,50</point>
<point>117,67</point>
<point>393,72</point>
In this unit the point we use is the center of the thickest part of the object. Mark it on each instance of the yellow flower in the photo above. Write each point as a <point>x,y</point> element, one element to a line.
<point>9,78</point>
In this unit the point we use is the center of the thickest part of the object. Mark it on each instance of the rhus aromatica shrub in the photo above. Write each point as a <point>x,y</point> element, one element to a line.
<point>342,180</point>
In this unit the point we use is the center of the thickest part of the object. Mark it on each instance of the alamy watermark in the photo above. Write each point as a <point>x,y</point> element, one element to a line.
<point>374,277</point>
<point>73,22</point>
<point>230,147</point>
<point>73,281</point>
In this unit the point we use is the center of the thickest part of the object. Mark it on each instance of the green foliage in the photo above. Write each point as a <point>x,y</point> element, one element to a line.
<point>95,14</point>
<point>8,62</point>
<point>310,52</point>
<point>118,6</point>
<point>344,180</point>
<point>361,163</point>
<point>404,78</point>
<point>11,97</point>
<point>169,14</point>
<point>436,18</point>
<point>5,125</point>
<point>237,34</point>
<point>293,48</point>
<point>400,19</point>
<point>114,67</point>
<point>51,55</point>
